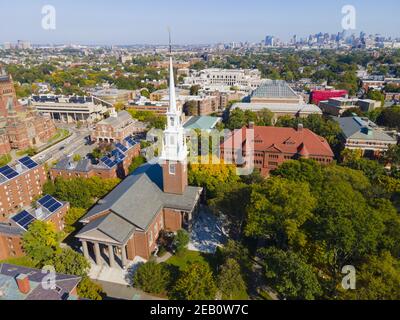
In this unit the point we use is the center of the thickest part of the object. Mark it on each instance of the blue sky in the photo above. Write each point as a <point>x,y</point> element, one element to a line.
<point>191,21</point>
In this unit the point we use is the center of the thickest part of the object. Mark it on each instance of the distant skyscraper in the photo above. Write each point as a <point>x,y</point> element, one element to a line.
<point>269,41</point>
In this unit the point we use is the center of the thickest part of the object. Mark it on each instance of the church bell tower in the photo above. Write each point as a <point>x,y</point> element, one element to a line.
<point>174,153</point>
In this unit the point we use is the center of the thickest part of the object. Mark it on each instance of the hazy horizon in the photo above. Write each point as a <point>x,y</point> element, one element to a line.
<point>123,22</point>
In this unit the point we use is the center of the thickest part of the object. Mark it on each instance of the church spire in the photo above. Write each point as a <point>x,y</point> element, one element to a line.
<point>174,138</point>
<point>172,93</point>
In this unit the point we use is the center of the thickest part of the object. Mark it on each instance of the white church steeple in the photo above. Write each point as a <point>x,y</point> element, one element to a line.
<point>174,146</point>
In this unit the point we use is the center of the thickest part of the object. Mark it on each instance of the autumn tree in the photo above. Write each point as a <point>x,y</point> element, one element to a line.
<point>195,283</point>
<point>41,242</point>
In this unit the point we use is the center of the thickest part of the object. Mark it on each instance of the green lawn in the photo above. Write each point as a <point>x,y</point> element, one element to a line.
<point>183,260</point>
<point>61,134</point>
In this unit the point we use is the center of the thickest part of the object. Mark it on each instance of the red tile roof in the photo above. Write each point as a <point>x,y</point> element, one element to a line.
<point>286,140</point>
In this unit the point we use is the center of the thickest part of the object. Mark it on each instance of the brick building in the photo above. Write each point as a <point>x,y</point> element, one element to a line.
<point>114,166</point>
<point>116,128</point>
<point>128,221</point>
<point>46,209</point>
<point>20,185</point>
<point>273,146</point>
<point>20,128</point>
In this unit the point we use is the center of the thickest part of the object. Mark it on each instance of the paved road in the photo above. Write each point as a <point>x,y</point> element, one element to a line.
<point>121,292</point>
<point>68,146</point>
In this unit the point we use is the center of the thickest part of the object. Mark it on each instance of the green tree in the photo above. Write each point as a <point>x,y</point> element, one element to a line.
<point>87,289</point>
<point>72,217</point>
<point>212,176</point>
<point>290,275</point>
<point>194,90</point>
<point>136,163</point>
<point>377,96</point>
<point>230,281</point>
<point>181,241</point>
<point>390,117</point>
<point>152,278</point>
<point>41,242</point>
<point>377,279</point>
<point>278,209</point>
<point>71,262</point>
<point>195,283</point>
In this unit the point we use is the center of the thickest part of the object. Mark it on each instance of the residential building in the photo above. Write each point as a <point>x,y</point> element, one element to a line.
<point>362,134</point>
<point>201,105</point>
<point>46,209</point>
<point>128,221</point>
<point>159,108</point>
<point>22,283</point>
<point>116,127</point>
<point>272,146</point>
<point>115,165</point>
<point>19,185</point>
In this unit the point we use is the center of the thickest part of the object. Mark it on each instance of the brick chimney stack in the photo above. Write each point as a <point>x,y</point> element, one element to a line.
<point>23,283</point>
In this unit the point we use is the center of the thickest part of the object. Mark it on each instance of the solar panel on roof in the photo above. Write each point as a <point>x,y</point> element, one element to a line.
<point>28,162</point>
<point>50,203</point>
<point>121,147</point>
<point>23,219</point>
<point>8,172</point>
<point>108,162</point>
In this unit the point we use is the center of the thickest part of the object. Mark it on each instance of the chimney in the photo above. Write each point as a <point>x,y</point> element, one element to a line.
<point>300,127</point>
<point>251,125</point>
<point>39,213</point>
<point>23,283</point>
<point>18,168</point>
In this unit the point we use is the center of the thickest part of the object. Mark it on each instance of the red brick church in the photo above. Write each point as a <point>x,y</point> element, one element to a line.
<point>127,222</point>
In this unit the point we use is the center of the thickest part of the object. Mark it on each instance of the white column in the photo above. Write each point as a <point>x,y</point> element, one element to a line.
<point>111,256</point>
<point>123,256</point>
<point>85,250</point>
<point>97,253</point>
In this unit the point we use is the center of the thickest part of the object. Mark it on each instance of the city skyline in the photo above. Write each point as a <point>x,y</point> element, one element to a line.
<point>135,22</point>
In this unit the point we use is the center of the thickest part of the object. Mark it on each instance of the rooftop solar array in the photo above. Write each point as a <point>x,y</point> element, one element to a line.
<point>23,219</point>
<point>28,162</point>
<point>118,155</point>
<point>130,141</point>
<point>108,162</point>
<point>121,147</point>
<point>50,203</point>
<point>8,172</point>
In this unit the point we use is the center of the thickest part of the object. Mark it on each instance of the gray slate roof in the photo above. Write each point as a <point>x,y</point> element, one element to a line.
<point>67,163</point>
<point>9,229</point>
<point>122,117</point>
<point>352,129</point>
<point>10,291</point>
<point>134,203</point>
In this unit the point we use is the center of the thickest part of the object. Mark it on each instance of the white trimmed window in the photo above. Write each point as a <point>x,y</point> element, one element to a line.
<point>172,168</point>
